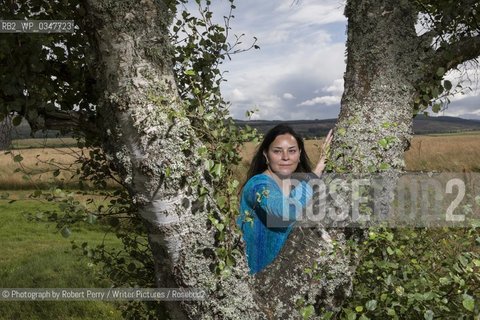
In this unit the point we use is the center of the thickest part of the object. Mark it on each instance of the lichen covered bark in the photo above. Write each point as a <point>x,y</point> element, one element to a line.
<point>375,122</point>
<point>155,147</point>
<point>152,142</point>
<point>314,270</point>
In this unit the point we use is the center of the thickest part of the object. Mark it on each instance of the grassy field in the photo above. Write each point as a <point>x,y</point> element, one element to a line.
<point>449,152</point>
<point>35,255</point>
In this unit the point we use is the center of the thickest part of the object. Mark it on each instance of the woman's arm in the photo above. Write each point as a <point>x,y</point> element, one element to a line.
<point>323,154</point>
<point>268,197</point>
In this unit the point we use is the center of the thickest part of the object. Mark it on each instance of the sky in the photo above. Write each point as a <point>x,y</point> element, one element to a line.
<point>298,71</point>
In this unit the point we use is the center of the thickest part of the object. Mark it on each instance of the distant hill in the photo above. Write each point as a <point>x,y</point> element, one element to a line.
<point>317,128</point>
<point>421,125</point>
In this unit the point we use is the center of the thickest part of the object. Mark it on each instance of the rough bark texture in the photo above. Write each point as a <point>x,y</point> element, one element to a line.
<point>377,101</point>
<point>152,141</point>
<point>6,128</point>
<point>313,269</point>
<point>154,145</point>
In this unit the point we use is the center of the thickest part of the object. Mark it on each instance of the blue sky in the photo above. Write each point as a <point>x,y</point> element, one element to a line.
<point>298,71</point>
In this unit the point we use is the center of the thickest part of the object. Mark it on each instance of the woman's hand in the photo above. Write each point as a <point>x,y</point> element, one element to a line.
<point>323,154</point>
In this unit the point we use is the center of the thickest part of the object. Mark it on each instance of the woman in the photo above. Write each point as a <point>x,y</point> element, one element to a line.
<point>268,205</point>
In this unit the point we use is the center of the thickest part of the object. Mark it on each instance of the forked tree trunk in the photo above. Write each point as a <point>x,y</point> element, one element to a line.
<point>148,136</point>
<point>153,143</point>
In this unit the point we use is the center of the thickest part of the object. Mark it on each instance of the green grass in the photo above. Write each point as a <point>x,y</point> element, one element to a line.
<point>35,255</point>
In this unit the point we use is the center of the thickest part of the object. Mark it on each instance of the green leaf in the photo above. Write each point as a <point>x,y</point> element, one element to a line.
<point>92,218</point>
<point>447,85</point>
<point>383,143</point>
<point>189,72</point>
<point>428,315</point>
<point>341,131</point>
<point>307,311</point>
<point>217,169</point>
<point>468,302</point>
<point>371,305</point>
<point>359,309</point>
<point>209,164</point>
<point>17,120</point>
<point>384,166</point>
<point>65,232</point>
<point>37,193</point>
<point>440,71</point>
<point>351,315</point>
<point>18,158</point>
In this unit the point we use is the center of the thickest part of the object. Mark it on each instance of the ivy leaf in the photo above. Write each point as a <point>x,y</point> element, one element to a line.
<point>307,311</point>
<point>383,143</point>
<point>190,72</point>
<point>440,71</point>
<point>447,85</point>
<point>371,305</point>
<point>92,218</point>
<point>428,315</point>
<point>468,302</point>
<point>384,166</point>
<point>18,158</point>
<point>65,232</point>
<point>16,121</point>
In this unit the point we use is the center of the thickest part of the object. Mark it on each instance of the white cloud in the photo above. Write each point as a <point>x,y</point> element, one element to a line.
<point>302,59</point>
<point>320,14</point>
<point>326,100</point>
<point>237,96</point>
<point>336,87</point>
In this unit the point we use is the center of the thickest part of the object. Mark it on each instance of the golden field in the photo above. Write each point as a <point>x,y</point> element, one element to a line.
<point>453,153</point>
<point>36,169</point>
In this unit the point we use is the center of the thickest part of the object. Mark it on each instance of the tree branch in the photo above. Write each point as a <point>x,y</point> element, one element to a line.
<point>451,55</point>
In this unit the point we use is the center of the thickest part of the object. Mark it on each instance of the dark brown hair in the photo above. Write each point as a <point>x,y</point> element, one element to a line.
<point>259,163</point>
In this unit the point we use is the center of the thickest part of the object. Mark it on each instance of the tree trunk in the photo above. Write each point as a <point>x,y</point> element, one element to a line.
<point>375,122</point>
<point>155,147</point>
<point>6,128</point>
<point>153,143</point>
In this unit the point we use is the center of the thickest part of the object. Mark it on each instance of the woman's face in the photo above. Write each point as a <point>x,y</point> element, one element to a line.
<point>283,155</point>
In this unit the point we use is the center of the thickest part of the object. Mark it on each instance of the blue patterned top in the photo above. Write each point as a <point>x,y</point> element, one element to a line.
<point>267,217</point>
